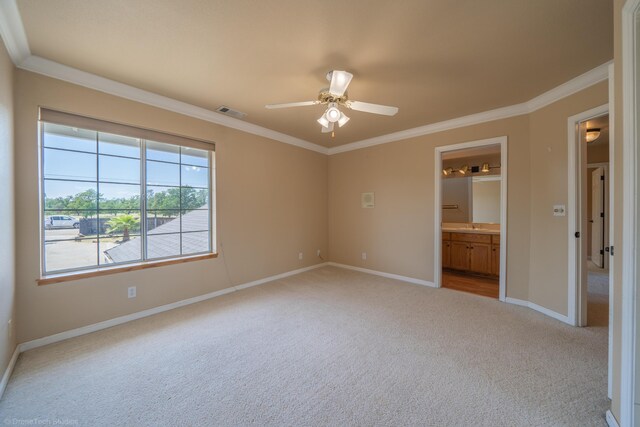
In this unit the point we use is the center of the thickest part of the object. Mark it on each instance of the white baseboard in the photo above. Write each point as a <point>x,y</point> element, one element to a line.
<point>9,370</point>
<point>150,312</point>
<point>383,274</point>
<point>611,420</point>
<point>541,309</point>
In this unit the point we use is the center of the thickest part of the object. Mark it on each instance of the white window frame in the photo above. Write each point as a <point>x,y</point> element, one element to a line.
<point>202,145</point>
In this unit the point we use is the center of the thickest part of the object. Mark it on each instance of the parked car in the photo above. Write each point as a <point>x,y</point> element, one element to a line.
<point>61,221</point>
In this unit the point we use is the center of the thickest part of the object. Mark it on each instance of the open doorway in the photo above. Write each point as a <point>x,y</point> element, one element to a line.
<point>471,217</point>
<point>594,135</point>
<point>590,213</point>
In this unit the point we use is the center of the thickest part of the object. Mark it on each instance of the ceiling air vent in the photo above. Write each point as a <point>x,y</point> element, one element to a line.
<point>229,112</point>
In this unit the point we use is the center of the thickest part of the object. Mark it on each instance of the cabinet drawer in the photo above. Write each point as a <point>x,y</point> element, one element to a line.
<point>446,235</point>
<point>469,237</point>
<point>495,239</point>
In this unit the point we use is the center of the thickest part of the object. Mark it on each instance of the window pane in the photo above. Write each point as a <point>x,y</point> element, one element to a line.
<point>163,245</point>
<point>194,198</point>
<point>118,249</point>
<point>118,169</point>
<point>195,242</point>
<point>59,136</point>
<point>194,157</point>
<point>71,195</point>
<point>163,198</point>
<point>165,221</point>
<point>163,174</point>
<point>65,255</point>
<point>119,145</point>
<point>163,152</point>
<point>119,223</point>
<point>195,220</point>
<point>60,164</point>
<point>119,196</point>
<point>195,176</point>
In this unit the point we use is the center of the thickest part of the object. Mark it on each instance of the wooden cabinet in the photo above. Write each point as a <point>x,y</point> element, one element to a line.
<point>480,258</point>
<point>476,253</point>
<point>459,255</point>
<point>446,253</point>
<point>495,255</point>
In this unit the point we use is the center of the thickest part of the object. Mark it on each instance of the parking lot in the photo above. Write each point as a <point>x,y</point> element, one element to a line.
<point>61,233</point>
<point>65,249</point>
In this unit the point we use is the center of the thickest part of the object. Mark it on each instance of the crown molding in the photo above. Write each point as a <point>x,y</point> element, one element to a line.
<point>15,39</point>
<point>59,71</point>
<point>583,81</point>
<point>12,31</point>
<point>473,119</point>
<point>574,85</point>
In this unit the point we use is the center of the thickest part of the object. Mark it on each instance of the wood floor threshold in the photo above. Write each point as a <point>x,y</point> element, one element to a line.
<point>477,285</point>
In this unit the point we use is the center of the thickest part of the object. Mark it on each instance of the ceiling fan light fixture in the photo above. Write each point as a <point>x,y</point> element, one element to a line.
<point>332,114</point>
<point>592,134</point>
<point>343,119</point>
<point>323,121</point>
<point>327,129</point>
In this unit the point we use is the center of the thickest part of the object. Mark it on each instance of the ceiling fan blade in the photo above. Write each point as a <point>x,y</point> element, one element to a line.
<point>328,128</point>
<point>339,82</point>
<point>291,104</point>
<point>372,108</point>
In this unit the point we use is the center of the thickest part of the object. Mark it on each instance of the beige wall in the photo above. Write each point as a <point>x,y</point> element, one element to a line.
<point>398,234</point>
<point>548,186</point>
<point>7,213</point>
<point>271,204</point>
<point>456,191</point>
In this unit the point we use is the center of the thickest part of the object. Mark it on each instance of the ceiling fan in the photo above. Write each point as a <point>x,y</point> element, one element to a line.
<point>336,96</point>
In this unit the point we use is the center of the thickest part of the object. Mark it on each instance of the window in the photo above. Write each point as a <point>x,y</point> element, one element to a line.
<point>128,196</point>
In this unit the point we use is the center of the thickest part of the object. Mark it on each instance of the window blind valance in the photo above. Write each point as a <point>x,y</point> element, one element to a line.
<point>68,119</point>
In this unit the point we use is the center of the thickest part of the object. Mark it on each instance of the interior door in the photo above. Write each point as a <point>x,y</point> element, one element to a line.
<point>597,213</point>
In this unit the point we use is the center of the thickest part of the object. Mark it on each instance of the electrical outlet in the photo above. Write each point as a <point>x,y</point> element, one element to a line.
<point>364,255</point>
<point>131,292</point>
<point>300,255</point>
<point>318,252</point>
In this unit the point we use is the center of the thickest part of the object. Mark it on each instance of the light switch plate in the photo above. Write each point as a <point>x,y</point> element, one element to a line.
<point>559,210</point>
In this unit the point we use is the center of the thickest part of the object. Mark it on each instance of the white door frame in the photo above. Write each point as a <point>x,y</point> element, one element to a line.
<point>576,287</point>
<point>630,264</point>
<point>502,141</point>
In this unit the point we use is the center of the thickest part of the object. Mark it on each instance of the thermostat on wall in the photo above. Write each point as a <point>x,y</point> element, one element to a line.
<point>368,200</point>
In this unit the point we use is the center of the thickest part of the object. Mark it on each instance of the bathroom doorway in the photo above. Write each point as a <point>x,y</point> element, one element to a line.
<point>471,217</point>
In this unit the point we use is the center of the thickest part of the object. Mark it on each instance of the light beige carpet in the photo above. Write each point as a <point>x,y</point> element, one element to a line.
<point>327,347</point>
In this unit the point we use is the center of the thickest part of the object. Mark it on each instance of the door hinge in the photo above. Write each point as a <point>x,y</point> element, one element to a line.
<point>601,214</point>
<point>577,234</point>
<point>601,251</point>
<point>601,177</point>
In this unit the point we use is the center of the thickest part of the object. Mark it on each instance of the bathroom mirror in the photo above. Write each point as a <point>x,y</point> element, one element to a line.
<point>471,199</point>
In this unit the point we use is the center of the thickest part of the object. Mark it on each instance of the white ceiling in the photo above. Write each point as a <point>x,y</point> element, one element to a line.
<point>434,59</point>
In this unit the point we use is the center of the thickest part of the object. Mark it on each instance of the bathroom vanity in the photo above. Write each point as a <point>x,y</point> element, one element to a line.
<point>471,249</point>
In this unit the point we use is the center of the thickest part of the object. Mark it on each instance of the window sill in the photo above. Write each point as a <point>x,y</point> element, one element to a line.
<point>67,277</point>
